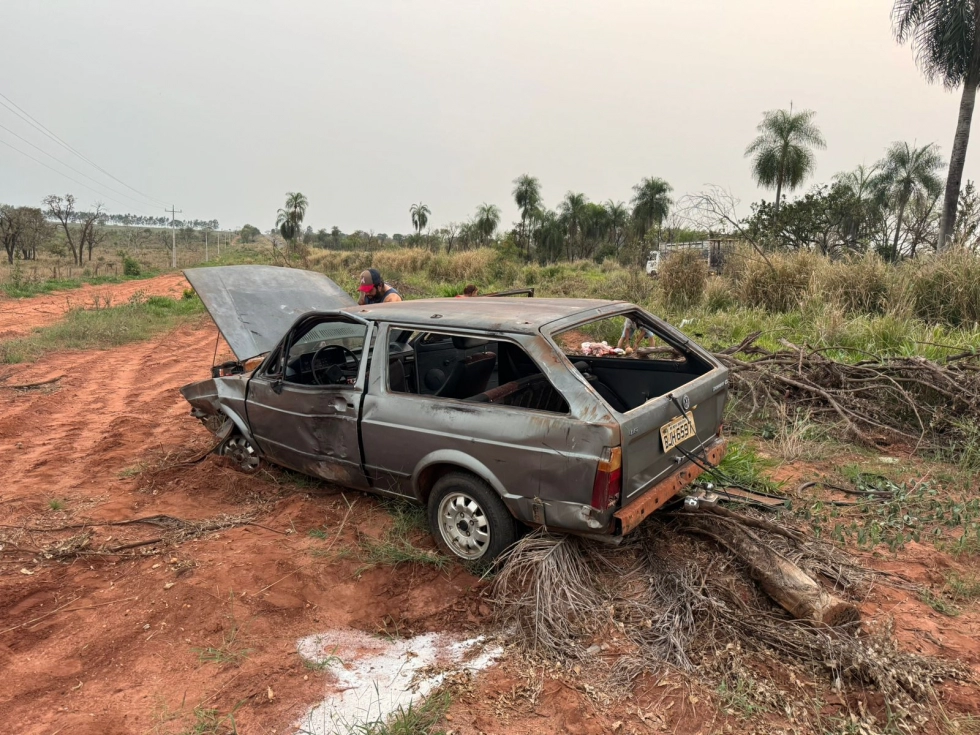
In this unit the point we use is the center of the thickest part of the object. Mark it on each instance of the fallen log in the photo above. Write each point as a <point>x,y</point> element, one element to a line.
<point>788,585</point>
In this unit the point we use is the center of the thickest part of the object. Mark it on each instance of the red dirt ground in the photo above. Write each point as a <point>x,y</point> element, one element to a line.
<point>110,644</point>
<point>19,316</point>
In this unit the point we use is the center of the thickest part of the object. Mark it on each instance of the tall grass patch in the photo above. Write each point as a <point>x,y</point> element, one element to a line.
<point>683,277</point>
<point>857,285</point>
<point>779,283</point>
<point>946,288</point>
<point>104,328</point>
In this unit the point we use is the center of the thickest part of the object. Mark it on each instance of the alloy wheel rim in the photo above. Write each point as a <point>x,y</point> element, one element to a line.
<point>241,450</point>
<point>464,526</point>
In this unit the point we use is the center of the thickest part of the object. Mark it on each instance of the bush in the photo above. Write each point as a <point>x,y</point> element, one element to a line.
<point>779,285</point>
<point>683,277</point>
<point>718,294</point>
<point>131,267</point>
<point>946,288</point>
<point>857,285</point>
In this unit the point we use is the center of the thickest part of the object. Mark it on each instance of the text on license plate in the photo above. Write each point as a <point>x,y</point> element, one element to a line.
<point>677,430</point>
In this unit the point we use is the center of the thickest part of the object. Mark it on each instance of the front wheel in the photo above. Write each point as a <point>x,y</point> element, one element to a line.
<point>468,519</point>
<point>241,451</point>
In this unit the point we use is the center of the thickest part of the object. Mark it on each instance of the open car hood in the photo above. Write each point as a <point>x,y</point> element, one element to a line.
<point>254,305</point>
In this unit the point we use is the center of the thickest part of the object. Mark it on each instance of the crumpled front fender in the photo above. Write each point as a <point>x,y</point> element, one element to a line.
<point>220,397</point>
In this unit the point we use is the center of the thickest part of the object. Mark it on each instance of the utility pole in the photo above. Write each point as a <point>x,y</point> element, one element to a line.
<point>173,230</point>
<point>205,244</point>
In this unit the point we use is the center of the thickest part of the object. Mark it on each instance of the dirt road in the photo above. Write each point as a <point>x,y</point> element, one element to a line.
<point>19,316</point>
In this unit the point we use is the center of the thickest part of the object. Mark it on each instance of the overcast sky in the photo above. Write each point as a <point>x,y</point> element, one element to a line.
<point>367,106</point>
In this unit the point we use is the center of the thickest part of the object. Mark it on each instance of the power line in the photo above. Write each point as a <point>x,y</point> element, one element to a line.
<point>26,116</point>
<point>62,173</point>
<point>71,168</point>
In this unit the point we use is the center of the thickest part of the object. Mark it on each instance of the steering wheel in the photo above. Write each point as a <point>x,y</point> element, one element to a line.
<point>332,374</point>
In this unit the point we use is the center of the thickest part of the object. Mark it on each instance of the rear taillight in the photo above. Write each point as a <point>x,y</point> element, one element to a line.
<point>608,479</point>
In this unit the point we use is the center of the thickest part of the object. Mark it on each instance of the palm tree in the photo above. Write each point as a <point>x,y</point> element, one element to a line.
<point>906,173</point>
<point>549,237</point>
<point>573,213</point>
<point>651,204</point>
<point>487,219</point>
<point>289,220</point>
<point>527,195</point>
<point>618,219</point>
<point>782,155</point>
<point>864,186</point>
<point>420,216</point>
<point>945,35</point>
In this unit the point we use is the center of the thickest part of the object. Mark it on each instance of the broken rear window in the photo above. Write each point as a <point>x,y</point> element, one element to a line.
<point>626,360</point>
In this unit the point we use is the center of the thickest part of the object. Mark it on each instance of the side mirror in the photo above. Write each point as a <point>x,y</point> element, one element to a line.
<point>277,385</point>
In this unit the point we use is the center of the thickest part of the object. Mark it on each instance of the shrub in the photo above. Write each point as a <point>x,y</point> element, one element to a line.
<point>683,277</point>
<point>779,285</point>
<point>945,288</point>
<point>718,294</point>
<point>131,267</point>
<point>857,285</point>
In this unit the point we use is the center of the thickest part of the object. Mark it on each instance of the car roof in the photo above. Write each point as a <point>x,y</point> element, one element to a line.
<point>490,313</point>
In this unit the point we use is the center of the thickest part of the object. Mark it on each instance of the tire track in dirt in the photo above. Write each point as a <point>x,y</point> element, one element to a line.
<point>87,425</point>
<point>18,317</point>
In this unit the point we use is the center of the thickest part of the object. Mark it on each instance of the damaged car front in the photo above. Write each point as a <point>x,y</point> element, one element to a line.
<point>253,306</point>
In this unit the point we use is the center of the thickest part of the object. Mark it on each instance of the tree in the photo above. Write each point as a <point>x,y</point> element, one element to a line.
<point>908,172</point>
<point>289,220</point>
<point>63,210</point>
<point>618,220</point>
<point>335,236</point>
<point>651,204</point>
<point>487,220</point>
<point>573,213</point>
<point>420,216</point>
<point>968,218</point>
<point>549,237</point>
<point>248,233</point>
<point>782,155</point>
<point>527,195</point>
<point>945,35</point>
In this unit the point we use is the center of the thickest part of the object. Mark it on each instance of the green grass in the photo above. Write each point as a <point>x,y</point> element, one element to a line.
<point>22,289</point>
<point>744,465</point>
<point>416,719</point>
<point>740,698</point>
<point>318,533</point>
<point>393,550</point>
<point>55,504</point>
<point>103,328</point>
<point>209,721</point>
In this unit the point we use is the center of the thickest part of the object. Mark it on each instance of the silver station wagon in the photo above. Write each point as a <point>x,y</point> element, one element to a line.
<point>492,412</point>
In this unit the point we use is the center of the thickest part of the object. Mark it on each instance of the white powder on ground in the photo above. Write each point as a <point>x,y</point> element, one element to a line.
<point>372,678</point>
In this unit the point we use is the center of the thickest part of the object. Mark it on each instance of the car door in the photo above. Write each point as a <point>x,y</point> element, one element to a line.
<point>312,428</point>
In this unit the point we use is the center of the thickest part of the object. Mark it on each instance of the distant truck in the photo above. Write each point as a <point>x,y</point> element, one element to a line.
<point>715,252</point>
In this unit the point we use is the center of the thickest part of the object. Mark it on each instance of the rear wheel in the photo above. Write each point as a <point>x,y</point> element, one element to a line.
<point>241,451</point>
<point>468,519</point>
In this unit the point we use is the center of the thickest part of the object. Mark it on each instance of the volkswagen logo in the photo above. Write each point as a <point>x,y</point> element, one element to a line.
<point>686,402</point>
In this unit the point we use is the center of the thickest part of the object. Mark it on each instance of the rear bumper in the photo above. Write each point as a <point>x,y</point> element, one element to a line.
<point>633,514</point>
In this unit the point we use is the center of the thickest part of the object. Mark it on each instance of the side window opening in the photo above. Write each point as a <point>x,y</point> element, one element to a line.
<point>626,360</point>
<point>325,353</point>
<point>472,369</point>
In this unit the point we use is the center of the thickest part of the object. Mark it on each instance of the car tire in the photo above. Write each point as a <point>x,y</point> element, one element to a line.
<point>241,452</point>
<point>468,520</point>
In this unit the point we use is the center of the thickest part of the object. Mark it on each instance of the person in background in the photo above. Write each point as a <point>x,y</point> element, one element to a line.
<point>374,290</point>
<point>630,330</point>
<point>470,291</point>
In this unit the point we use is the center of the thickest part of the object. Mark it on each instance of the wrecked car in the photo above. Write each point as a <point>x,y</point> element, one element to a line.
<point>491,412</point>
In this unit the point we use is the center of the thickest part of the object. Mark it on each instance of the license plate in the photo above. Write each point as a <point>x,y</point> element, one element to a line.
<point>677,430</point>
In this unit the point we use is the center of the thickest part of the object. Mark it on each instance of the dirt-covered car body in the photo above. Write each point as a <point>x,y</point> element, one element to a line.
<point>391,398</point>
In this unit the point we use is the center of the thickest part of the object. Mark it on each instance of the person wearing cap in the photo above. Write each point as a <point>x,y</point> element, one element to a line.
<point>374,290</point>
